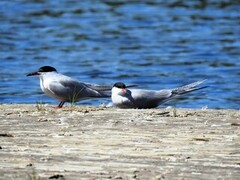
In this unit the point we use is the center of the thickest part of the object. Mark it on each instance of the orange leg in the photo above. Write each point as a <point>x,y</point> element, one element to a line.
<point>60,105</point>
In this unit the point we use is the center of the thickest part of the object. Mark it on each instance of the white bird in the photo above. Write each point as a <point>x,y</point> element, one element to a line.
<point>144,99</point>
<point>66,89</point>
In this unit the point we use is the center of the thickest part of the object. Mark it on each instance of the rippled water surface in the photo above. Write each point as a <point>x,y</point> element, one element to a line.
<point>155,44</point>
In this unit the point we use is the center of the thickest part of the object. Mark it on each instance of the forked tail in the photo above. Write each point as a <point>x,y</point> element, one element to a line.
<point>188,88</point>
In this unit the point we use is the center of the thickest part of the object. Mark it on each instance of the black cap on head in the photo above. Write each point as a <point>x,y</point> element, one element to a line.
<point>119,85</point>
<point>42,69</point>
<point>46,69</point>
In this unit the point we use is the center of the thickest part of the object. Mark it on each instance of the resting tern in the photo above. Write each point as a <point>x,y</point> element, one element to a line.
<point>144,99</point>
<point>66,89</point>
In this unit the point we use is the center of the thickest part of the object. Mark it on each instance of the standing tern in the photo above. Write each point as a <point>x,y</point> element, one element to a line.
<point>66,89</point>
<point>144,99</point>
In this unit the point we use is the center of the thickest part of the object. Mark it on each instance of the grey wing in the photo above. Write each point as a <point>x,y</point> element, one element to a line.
<point>188,88</point>
<point>72,91</point>
<point>60,91</point>
<point>102,89</point>
<point>150,99</point>
<point>98,87</point>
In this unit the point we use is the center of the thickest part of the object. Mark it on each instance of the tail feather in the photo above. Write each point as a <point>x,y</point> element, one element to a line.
<point>188,88</point>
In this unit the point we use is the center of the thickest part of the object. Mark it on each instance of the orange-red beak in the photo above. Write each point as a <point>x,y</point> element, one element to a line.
<point>123,90</point>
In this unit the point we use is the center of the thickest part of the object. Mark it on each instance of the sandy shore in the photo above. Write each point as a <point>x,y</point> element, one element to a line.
<point>108,143</point>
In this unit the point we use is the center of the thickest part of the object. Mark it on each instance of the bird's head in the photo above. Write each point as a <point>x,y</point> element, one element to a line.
<point>42,70</point>
<point>119,88</point>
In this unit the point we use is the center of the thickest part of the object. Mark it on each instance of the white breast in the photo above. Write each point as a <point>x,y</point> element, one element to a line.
<point>118,99</point>
<point>45,81</point>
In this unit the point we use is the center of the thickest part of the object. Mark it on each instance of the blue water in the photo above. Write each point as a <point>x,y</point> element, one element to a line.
<point>155,44</point>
